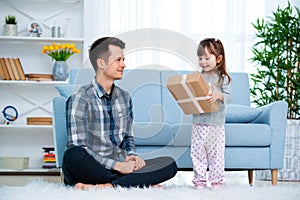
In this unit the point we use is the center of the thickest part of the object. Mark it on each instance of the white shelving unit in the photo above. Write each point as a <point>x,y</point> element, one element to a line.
<point>25,39</point>
<point>30,172</point>
<point>20,127</point>
<point>47,13</point>
<point>28,82</point>
<point>32,98</point>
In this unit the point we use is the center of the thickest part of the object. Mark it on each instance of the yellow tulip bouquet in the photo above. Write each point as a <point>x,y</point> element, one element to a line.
<point>60,52</point>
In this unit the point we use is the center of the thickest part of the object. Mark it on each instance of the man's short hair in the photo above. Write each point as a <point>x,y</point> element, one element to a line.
<point>99,49</point>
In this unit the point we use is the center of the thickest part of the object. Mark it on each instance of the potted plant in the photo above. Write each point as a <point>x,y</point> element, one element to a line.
<point>60,53</point>
<point>10,26</point>
<point>277,55</point>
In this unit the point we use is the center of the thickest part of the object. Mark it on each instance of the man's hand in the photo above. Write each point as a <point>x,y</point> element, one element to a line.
<point>131,164</point>
<point>125,167</point>
<point>139,162</point>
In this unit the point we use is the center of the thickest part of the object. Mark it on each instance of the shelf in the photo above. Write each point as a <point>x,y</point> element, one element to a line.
<point>22,126</point>
<point>49,172</point>
<point>14,82</point>
<point>47,1</point>
<point>39,39</point>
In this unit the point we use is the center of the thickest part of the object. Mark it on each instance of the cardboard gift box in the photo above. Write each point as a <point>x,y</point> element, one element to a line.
<point>190,91</point>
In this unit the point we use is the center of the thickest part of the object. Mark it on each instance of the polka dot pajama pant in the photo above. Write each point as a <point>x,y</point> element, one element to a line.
<point>207,148</point>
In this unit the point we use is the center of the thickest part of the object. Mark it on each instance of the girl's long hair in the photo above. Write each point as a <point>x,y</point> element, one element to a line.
<point>215,47</point>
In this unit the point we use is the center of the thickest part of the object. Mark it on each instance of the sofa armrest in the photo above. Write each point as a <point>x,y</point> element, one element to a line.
<point>275,115</point>
<point>60,135</point>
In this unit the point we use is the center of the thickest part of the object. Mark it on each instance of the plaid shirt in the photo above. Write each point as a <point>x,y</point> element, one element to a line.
<point>101,123</point>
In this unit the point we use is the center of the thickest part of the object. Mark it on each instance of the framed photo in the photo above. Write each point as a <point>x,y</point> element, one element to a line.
<point>35,29</point>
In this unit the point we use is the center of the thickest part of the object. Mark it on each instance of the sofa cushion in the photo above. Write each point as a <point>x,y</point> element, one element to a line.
<point>81,76</point>
<point>66,90</point>
<point>237,134</point>
<point>145,90</point>
<point>241,114</point>
<point>157,134</point>
<point>247,158</point>
<point>240,88</point>
<point>172,113</point>
<point>183,133</point>
<point>255,135</point>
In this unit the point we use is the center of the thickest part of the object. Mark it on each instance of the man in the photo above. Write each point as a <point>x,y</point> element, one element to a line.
<point>101,149</point>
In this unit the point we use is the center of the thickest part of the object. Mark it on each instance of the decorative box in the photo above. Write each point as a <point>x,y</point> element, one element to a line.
<point>14,162</point>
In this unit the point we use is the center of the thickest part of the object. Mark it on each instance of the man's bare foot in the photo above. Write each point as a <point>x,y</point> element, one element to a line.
<point>79,186</point>
<point>157,186</point>
<point>82,186</point>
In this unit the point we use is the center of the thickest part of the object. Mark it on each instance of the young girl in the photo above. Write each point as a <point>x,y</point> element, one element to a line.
<point>208,132</point>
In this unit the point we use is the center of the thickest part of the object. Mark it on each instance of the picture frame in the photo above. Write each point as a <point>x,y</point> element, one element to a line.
<point>35,29</point>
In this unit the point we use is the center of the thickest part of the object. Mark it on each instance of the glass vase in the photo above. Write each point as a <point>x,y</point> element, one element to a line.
<point>60,71</point>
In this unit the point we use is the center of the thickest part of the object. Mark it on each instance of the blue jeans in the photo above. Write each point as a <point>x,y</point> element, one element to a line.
<point>80,167</point>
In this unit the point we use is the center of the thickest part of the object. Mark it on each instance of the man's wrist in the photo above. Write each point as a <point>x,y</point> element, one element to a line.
<point>117,166</point>
<point>131,153</point>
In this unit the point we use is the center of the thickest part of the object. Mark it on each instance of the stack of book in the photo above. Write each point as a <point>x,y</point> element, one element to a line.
<point>39,77</point>
<point>49,158</point>
<point>11,69</point>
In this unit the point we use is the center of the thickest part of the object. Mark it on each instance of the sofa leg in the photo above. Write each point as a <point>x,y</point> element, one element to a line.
<point>274,173</point>
<point>61,176</point>
<point>250,177</point>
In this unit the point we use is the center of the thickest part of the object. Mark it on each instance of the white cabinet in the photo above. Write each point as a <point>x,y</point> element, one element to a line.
<point>34,99</point>
<point>47,13</point>
<point>25,141</point>
<point>28,49</point>
<point>31,99</point>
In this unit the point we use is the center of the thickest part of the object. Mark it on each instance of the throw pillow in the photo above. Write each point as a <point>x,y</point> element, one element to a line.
<point>240,114</point>
<point>66,90</point>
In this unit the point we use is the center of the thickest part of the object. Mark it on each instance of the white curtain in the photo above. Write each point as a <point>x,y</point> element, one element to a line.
<point>228,20</point>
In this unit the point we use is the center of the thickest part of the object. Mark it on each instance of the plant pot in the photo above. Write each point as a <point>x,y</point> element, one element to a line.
<point>10,29</point>
<point>60,71</point>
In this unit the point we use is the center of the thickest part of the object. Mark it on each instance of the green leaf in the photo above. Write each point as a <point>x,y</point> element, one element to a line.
<point>276,53</point>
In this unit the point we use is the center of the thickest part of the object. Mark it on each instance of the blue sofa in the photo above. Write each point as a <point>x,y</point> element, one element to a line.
<point>255,137</point>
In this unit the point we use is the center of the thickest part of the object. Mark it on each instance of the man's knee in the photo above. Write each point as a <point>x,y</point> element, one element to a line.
<point>72,154</point>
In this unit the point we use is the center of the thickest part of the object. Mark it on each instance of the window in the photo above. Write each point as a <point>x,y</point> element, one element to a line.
<point>228,20</point>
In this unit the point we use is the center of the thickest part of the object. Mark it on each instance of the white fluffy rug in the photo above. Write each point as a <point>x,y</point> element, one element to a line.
<point>179,187</point>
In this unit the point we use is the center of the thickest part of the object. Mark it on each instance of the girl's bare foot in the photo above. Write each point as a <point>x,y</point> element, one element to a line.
<point>82,186</point>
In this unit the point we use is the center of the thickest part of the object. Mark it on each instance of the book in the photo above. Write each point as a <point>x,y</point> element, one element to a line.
<point>39,77</point>
<point>20,69</point>
<point>4,68</point>
<point>9,69</point>
<point>39,120</point>
<point>14,68</point>
<point>49,158</point>
<point>2,72</point>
